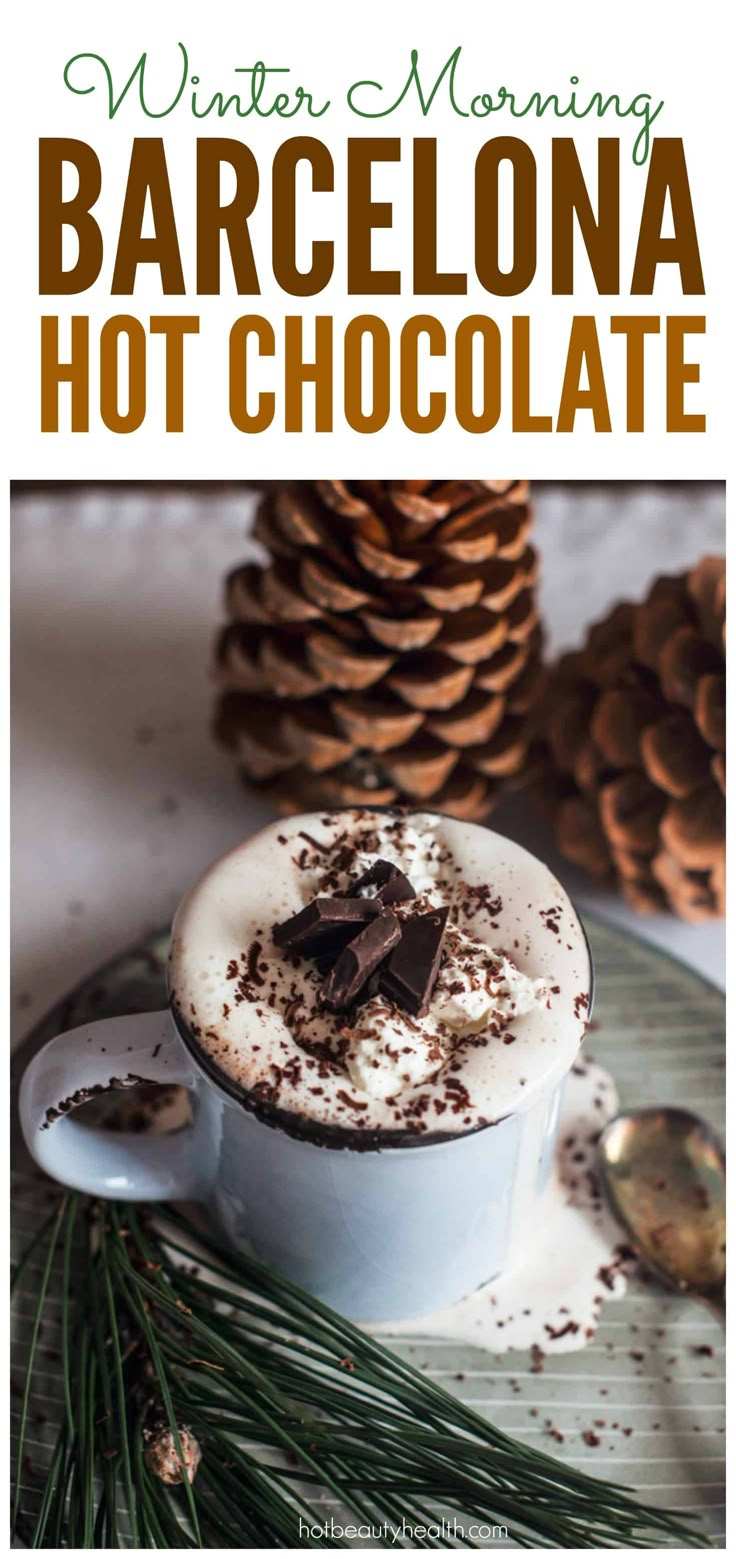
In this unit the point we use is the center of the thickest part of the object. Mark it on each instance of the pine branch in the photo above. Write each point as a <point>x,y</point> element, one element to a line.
<point>170,1341</point>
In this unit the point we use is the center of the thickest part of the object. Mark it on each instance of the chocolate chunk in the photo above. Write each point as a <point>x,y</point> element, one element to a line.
<point>409,976</point>
<point>392,886</point>
<point>358,960</point>
<point>325,925</point>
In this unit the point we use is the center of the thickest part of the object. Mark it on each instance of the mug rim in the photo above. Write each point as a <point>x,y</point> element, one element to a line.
<point>331,1135</point>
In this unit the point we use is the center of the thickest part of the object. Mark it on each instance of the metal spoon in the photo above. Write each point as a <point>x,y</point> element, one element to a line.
<point>665,1176</point>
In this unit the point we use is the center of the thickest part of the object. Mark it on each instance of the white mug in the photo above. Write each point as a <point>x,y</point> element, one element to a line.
<point>380,1233</point>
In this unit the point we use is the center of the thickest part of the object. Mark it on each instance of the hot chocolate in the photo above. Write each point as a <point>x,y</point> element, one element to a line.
<point>375,1016</point>
<point>373,972</point>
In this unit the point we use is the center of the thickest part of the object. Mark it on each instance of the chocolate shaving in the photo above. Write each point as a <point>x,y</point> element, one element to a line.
<point>568,1329</point>
<point>412,968</point>
<point>254,953</point>
<point>322,849</point>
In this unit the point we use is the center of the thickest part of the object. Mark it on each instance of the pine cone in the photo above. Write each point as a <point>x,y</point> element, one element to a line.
<point>633,762</point>
<point>388,650</point>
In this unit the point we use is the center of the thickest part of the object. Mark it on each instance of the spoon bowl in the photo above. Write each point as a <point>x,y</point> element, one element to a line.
<point>665,1176</point>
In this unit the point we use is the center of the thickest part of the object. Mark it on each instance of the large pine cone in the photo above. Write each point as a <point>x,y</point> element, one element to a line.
<point>388,650</point>
<point>633,765</point>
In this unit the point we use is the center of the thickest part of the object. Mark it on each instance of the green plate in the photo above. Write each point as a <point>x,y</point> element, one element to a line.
<point>651,1382</point>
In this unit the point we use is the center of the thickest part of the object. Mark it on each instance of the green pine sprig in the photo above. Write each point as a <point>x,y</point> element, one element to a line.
<point>290,1403</point>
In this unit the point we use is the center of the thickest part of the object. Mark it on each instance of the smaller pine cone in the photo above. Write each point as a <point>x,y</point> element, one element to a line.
<point>632,762</point>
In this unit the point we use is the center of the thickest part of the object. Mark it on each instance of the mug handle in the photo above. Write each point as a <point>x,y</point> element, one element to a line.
<point>116,1053</point>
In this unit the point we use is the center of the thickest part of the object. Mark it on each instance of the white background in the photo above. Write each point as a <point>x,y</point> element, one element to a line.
<point>674,51</point>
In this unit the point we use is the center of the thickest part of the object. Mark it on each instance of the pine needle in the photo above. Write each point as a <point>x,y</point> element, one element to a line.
<point>55,1227</point>
<point>289,1403</point>
<point>122,1414</point>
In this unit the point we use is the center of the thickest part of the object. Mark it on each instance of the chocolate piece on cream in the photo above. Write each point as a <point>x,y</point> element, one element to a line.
<point>325,925</point>
<point>358,960</point>
<point>411,971</point>
<point>390,883</point>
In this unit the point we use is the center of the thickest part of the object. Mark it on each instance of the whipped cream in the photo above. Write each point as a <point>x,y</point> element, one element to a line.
<point>478,988</point>
<point>476,991</point>
<point>505,1017</point>
<point>416,849</point>
<point>389,1051</point>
